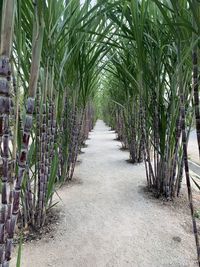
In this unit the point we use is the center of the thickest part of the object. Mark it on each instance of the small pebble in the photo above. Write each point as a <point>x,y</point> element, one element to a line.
<point>177,239</point>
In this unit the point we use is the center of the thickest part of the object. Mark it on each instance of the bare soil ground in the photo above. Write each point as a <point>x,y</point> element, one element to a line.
<point>107,219</point>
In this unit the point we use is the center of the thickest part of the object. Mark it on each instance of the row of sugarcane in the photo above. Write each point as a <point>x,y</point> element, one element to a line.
<point>151,88</point>
<point>52,163</point>
<point>49,70</point>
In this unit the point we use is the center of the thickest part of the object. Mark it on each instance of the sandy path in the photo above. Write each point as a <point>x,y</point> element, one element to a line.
<point>108,221</point>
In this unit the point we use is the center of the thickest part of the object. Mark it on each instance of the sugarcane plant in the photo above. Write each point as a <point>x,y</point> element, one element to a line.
<point>7,24</point>
<point>47,86</point>
<point>151,87</point>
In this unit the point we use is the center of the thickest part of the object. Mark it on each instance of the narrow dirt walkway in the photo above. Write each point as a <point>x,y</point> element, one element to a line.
<point>108,221</point>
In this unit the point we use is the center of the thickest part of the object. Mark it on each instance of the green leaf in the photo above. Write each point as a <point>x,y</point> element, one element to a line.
<point>19,253</point>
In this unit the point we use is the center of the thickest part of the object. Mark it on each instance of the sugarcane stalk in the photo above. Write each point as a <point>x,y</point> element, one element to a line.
<point>42,168</point>
<point>53,131</point>
<point>195,71</point>
<point>35,64</point>
<point>77,144</point>
<point>69,129</point>
<point>179,175</point>
<point>71,139</point>
<point>61,140</point>
<point>36,186</point>
<point>14,155</point>
<point>46,166</point>
<point>65,138</point>
<point>5,77</point>
<point>28,200</point>
<point>185,154</point>
<point>50,143</point>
